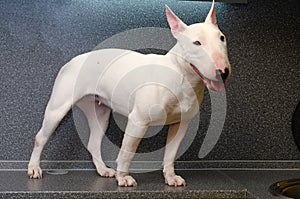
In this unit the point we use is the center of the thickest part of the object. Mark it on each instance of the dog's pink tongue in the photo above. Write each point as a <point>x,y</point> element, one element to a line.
<point>218,86</point>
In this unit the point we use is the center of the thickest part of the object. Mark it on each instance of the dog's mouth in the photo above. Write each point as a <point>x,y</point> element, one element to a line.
<point>218,86</point>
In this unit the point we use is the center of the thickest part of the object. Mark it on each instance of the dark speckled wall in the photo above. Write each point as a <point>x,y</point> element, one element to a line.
<point>38,37</point>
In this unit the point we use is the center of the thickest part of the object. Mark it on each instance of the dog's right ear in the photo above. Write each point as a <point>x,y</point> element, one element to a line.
<point>176,25</point>
<point>212,17</point>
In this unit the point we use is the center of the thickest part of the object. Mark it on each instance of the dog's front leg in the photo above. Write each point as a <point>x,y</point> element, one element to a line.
<point>132,137</point>
<point>175,135</point>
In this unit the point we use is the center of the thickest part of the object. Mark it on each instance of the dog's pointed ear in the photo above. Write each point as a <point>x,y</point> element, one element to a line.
<point>176,25</point>
<point>212,17</point>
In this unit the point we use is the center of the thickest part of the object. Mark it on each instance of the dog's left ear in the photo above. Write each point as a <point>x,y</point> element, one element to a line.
<point>212,17</point>
<point>176,25</point>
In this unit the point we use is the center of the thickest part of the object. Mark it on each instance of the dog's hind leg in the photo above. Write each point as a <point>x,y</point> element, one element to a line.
<point>53,115</point>
<point>60,103</point>
<point>97,115</point>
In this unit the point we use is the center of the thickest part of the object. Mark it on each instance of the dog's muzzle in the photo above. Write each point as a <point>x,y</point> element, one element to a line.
<point>215,85</point>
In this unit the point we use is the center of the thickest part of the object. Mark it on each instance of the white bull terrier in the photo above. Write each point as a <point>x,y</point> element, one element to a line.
<point>155,90</point>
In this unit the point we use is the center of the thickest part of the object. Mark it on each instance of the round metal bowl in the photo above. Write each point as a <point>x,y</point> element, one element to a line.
<point>286,189</point>
<point>296,125</point>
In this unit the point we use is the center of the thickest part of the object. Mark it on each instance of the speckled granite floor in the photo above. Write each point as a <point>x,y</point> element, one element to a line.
<point>200,184</point>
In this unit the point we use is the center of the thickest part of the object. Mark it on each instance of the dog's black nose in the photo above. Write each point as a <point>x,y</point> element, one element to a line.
<point>221,75</point>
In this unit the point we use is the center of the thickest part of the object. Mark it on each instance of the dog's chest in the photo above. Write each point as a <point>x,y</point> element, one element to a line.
<point>159,105</point>
<point>186,107</point>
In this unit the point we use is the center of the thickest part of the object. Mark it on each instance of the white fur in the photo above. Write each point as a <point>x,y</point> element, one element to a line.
<point>148,89</point>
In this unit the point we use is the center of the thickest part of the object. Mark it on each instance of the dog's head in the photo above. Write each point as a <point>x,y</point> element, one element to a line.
<point>204,47</point>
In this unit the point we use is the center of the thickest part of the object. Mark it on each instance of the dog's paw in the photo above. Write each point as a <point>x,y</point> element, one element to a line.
<point>175,180</point>
<point>126,181</point>
<point>34,172</point>
<point>106,172</point>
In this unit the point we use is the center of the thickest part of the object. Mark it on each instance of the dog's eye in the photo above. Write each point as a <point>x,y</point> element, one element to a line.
<point>222,38</point>
<point>198,43</point>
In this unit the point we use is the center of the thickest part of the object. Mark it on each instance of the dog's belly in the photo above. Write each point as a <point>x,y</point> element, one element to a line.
<point>157,105</point>
<point>155,111</point>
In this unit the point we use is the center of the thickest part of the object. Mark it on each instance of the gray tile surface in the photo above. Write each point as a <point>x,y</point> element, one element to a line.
<point>206,184</point>
<point>156,165</point>
<point>200,184</point>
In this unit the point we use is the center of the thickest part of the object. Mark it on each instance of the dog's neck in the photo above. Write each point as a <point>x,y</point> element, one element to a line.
<point>177,57</point>
<point>178,60</point>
